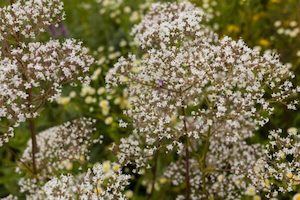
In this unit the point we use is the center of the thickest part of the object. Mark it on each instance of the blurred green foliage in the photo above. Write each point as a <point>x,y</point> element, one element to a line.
<point>105,29</point>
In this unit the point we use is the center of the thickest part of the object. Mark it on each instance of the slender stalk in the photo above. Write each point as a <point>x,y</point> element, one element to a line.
<point>187,155</point>
<point>32,129</point>
<point>154,171</point>
<point>203,161</point>
<point>34,144</point>
<point>187,169</point>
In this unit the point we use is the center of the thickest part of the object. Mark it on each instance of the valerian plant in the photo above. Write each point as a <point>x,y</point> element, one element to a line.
<point>278,170</point>
<point>33,73</point>
<point>200,97</point>
<point>193,95</point>
<point>58,149</point>
<point>99,182</point>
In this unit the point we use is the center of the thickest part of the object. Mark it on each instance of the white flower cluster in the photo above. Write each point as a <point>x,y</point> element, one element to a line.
<point>58,148</point>
<point>130,152</point>
<point>176,173</point>
<point>194,92</point>
<point>100,182</point>
<point>222,86</point>
<point>34,72</point>
<point>159,29</point>
<point>228,165</point>
<point>9,197</point>
<point>27,18</point>
<point>278,171</point>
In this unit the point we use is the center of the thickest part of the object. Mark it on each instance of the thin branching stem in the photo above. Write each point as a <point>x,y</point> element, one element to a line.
<point>32,129</point>
<point>187,153</point>
<point>154,174</point>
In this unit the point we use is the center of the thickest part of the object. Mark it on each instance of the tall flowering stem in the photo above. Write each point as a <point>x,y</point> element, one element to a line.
<point>154,174</point>
<point>32,129</point>
<point>34,144</point>
<point>203,164</point>
<point>187,152</point>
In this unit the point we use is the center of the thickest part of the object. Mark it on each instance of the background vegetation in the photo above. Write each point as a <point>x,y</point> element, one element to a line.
<point>104,27</point>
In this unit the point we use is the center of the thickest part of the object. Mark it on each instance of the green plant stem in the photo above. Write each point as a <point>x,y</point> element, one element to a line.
<point>187,156</point>
<point>154,172</point>
<point>187,168</point>
<point>34,145</point>
<point>32,129</point>
<point>203,161</point>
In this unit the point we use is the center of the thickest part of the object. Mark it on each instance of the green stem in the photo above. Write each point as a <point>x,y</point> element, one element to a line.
<point>32,129</point>
<point>187,168</point>
<point>154,171</point>
<point>187,156</point>
<point>203,161</point>
<point>34,144</point>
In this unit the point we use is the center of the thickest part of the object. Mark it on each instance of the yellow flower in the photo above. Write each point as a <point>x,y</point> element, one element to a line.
<point>108,120</point>
<point>135,69</point>
<point>72,94</point>
<point>82,158</point>
<point>123,43</point>
<point>101,90</point>
<point>116,167</point>
<point>127,9</point>
<point>297,178</point>
<point>104,104</point>
<point>106,166</point>
<point>124,103</point>
<point>117,100</point>
<point>296,197</point>
<point>296,182</point>
<point>123,79</point>
<point>289,175</point>
<point>105,111</point>
<point>67,164</point>
<point>258,16</point>
<point>63,100</point>
<point>264,42</point>
<point>275,1</point>
<point>292,131</point>
<point>129,194</point>
<point>250,191</point>
<point>134,16</point>
<point>256,197</point>
<point>231,28</point>
<point>162,180</point>
<point>89,100</point>
<point>98,190</point>
<point>237,182</point>
<point>220,178</point>
<point>266,183</point>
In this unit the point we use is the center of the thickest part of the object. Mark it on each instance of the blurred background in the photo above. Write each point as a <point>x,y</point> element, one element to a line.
<point>104,27</point>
